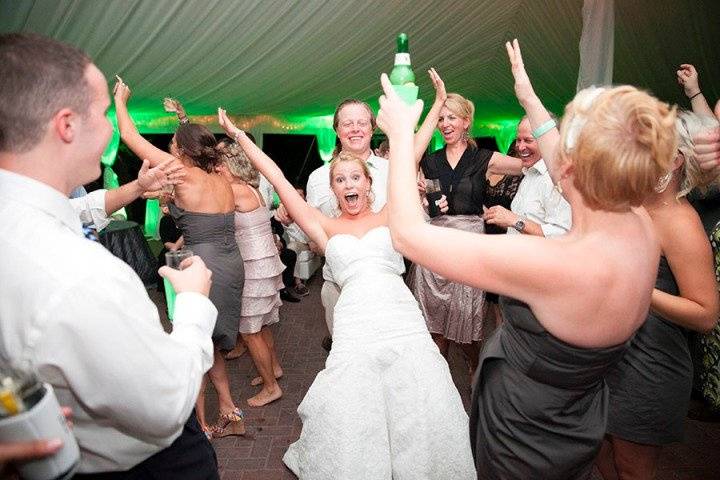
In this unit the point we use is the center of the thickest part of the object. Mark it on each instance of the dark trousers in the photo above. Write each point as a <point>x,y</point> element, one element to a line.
<point>289,259</point>
<point>189,457</point>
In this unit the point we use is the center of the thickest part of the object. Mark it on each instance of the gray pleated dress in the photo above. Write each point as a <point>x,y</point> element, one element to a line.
<point>211,236</point>
<point>539,405</point>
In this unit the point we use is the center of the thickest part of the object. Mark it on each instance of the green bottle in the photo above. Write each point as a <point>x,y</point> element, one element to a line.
<point>402,73</point>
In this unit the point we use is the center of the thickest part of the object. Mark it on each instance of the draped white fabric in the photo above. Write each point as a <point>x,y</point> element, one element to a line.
<point>597,44</point>
<point>284,57</point>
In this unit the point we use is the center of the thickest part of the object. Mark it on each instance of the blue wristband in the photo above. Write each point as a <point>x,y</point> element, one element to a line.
<point>544,128</point>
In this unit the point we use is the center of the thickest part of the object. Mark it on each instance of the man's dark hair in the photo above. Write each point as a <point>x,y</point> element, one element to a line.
<point>40,76</point>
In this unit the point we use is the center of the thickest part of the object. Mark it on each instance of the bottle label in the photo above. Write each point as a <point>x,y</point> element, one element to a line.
<point>402,59</point>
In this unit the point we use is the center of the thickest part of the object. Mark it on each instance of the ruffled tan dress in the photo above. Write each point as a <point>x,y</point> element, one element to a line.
<point>263,270</point>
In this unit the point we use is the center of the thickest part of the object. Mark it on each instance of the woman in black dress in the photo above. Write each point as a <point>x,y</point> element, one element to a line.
<point>453,312</point>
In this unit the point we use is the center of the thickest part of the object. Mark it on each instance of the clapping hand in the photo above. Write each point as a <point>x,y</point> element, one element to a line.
<point>523,88</point>
<point>687,76</point>
<point>169,172</point>
<point>440,93</point>
<point>395,116</point>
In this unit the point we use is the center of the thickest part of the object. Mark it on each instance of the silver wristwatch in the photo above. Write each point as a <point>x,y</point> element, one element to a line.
<point>519,225</point>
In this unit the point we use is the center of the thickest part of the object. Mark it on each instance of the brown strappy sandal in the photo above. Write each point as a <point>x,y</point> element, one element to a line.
<point>229,424</point>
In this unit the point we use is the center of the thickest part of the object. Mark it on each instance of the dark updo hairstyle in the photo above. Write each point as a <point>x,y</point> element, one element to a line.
<point>197,143</point>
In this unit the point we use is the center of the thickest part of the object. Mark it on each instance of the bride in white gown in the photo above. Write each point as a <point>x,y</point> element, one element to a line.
<point>385,406</point>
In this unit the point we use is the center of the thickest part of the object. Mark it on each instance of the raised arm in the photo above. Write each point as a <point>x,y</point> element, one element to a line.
<point>129,133</point>
<point>172,105</point>
<point>687,76</point>
<point>548,135</point>
<point>506,265</point>
<point>310,220</point>
<point>425,132</point>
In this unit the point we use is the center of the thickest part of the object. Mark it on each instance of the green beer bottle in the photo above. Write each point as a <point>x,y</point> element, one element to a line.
<point>401,73</point>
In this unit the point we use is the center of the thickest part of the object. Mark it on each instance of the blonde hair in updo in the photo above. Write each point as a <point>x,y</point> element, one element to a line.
<point>691,175</point>
<point>238,164</point>
<point>620,141</point>
<point>464,108</point>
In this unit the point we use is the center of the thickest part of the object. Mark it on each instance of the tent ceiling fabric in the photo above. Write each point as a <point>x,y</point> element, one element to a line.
<point>300,58</point>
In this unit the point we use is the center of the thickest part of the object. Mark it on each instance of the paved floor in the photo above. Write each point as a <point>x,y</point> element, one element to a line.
<point>274,427</point>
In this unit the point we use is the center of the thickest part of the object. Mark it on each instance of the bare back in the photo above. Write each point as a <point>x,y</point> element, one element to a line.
<point>609,277</point>
<point>204,192</point>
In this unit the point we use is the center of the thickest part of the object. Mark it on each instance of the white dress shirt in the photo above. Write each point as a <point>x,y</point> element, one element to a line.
<point>83,319</point>
<point>539,201</point>
<point>320,195</point>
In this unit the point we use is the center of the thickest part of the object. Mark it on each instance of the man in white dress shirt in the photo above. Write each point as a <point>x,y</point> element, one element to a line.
<point>354,124</point>
<point>538,207</point>
<point>81,317</point>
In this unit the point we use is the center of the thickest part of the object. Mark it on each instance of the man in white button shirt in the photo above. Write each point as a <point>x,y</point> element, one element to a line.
<point>354,124</point>
<point>68,307</point>
<point>538,207</point>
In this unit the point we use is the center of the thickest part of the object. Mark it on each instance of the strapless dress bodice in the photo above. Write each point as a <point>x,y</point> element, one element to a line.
<point>358,258</point>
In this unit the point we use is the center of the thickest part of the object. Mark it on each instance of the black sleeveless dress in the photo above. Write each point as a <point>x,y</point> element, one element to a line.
<point>650,386</point>
<point>539,405</point>
<point>211,236</point>
<point>453,310</point>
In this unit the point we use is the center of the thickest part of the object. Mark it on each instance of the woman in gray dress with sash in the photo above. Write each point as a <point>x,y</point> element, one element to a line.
<point>650,387</point>
<point>204,209</point>
<point>571,303</point>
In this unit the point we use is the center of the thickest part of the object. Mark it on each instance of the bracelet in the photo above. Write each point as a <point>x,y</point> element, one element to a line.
<point>544,128</point>
<point>698,93</point>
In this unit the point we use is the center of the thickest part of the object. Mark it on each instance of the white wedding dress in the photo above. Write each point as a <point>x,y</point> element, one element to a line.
<point>385,406</point>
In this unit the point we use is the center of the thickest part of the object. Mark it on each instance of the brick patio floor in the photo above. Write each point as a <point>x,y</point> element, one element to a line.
<point>274,427</point>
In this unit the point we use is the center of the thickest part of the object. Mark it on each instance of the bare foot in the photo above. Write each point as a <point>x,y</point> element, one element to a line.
<point>264,397</point>
<point>236,352</point>
<point>259,381</point>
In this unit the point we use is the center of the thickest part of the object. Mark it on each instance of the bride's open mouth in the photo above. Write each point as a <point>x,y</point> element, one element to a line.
<point>351,199</point>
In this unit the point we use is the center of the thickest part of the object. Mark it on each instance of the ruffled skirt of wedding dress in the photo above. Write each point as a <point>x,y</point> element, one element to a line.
<point>385,406</point>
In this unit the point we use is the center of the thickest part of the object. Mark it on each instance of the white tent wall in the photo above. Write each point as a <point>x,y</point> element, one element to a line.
<point>282,65</point>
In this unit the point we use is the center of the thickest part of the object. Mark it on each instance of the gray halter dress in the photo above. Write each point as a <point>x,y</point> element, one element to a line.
<point>211,236</point>
<point>539,405</point>
<point>650,387</point>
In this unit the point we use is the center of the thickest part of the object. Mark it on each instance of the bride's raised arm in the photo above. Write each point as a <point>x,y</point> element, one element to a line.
<point>310,220</point>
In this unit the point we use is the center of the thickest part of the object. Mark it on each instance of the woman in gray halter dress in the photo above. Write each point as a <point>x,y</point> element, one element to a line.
<point>650,387</point>
<point>540,400</point>
<point>204,209</point>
